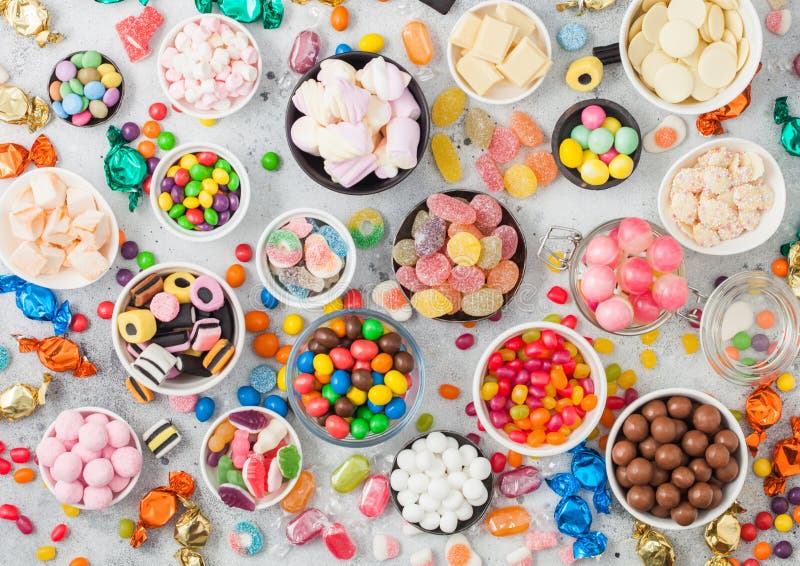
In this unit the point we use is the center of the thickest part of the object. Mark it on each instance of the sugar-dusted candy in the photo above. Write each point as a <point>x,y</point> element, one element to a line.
<point>455,228</point>
<point>503,276</point>
<point>339,541</point>
<point>431,303</point>
<point>407,277</point>
<point>299,276</point>
<point>508,236</point>
<point>458,552</point>
<point>504,145</point>
<point>466,279</point>
<point>389,295</point>
<point>488,213</point>
<point>491,252</point>
<point>482,302</point>
<point>526,129</point>
<point>422,557</point>
<point>479,127</point>
<point>306,526</point>
<point>464,249</point>
<point>446,158</point>
<point>520,557</point>
<point>320,259</point>
<point>419,219</point>
<point>452,295</point>
<point>543,164</point>
<point>404,252</point>
<point>489,172</point>
<point>334,240</point>
<point>448,106</point>
<point>284,248</point>
<point>385,547</point>
<point>429,237</point>
<point>520,181</point>
<point>374,496</point>
<point>450,209</point>
<point>254,475</point>
<point>541,540</point>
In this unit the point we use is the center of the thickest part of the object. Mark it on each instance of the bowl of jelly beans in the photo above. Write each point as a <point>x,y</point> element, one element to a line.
<point>597,144</point>
<point>251,458</point>
<point>86,88</point>
<point>459,256</point>
<point>306,258</point>
<point>539,389</point>
<point>200,192</point>
<point>355,378</point>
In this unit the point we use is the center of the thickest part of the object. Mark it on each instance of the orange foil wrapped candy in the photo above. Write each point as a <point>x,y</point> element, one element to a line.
<point>710,123</point>
<point>785,461</point>
<point>14,158</point>
<point>159,505</point>
<point>58,354</point>
<point>763,408</point>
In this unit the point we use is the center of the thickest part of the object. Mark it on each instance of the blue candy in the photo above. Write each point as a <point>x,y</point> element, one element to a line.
<point>340,381</point>
<point>94,90</point>
<point>277,404</point>
<point>335,241</point>
<point>377,378</point>
<point>268,300</point>
<point>305,362</point>
<point>72,103</point>
<point>263,379</point>
<point>37,303</point>
<point>395,408</point>
<point>248,397</point>
<point>58,110</point>
<point>572,36</point>
<point>296,290</point>
<point>204,409</point>
<point>343,48</point>
<point>375,408</point>
<point>246,539</point>
<point>5,358</point>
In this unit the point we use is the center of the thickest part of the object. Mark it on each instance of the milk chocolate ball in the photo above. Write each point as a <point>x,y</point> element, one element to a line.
<point>701,495</point>
<point>668,496</point>
<point>352,327</point>
<point>663,429</point>
<point>326,337</point>
<point>390,343</point>
<point>403,362</point>
<point>648,447</point>
<point>622,477</point>
<point>653,409</point>
<point>668,456</point>
<point>641,497</point>
<point>684,514</point>
<point>728,439</point>
<point>707,419</point>
<point>679,407</point>
<point>728,472</point>
<point>694,443</point>
<point>659,511</point>
<point>635,428</point>
<point>717,456</point>
<point>717,490</point>
<point>659,476</point>
<point>682,477</point>
<point>623,452</point>
<point>702,471</point>
<point>680,428</point>
<point>640,471</point>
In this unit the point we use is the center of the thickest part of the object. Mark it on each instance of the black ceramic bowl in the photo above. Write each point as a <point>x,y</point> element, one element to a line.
<point>478,513</point>
<point>312,164</point>
<point>571,118</point>
<point>519,257</point>
<point>111,111</point>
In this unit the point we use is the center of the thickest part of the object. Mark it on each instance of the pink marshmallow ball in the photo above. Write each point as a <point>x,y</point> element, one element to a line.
<point>598,283</point>
<point>602,250</point>
<point>85,454</point>
<point>670,292</point>
<point>665,254</point>
<point>118,483</point>
<point>593,116</point>
<point>68,423</point>
<point>98,473</point>
<point>614,314</point>
<point>69,444</point>
<point>98,418</point>
<point>93,436</point>
<point>119,434</point>
<point>67,467</point>
<point>127,461</point>
<point>635,235</point>
<point>70,492</point>
<point>183,403</point>
<point>107,451</point>
<point>97,497</point>
<point>48,450</point>
<point>645,309</point>
<point>635,275</point>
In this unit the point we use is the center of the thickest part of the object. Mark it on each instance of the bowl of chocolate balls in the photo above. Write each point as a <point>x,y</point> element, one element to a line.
<point>676,458</point>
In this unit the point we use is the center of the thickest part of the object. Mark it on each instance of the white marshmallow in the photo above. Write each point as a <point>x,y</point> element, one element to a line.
<point>402,140</point>
<point>28,259</point>
<point>343,141</point>
<point>331,69</point>
<point>182,41</point>
<point>89,263</point>
<point>430,521</point>
<point>386,170</point>
<point>248,72</point>
<point>57,227</point>
<point>413,513</point>
<point>173,75</point>
<point>28,223</point>
<point>54,257</point>
<point>305,134</point>
<point>176,90</point>
<point>92,229</point>
<point>309,99</point>
<point>448,522</point>
<point>49,191</point>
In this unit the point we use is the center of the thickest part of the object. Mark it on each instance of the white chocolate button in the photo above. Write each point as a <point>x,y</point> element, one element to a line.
<point>742,53</point>
<point>701,91</point>
<point>693,11</point>
<point>636,27</point>
<point>678,38</point>
<point>730,39</point>
<point>727,4</point>
<point>637,50</point>
<point>691,60</point>
<point>717,65</point>
<point>733,22</point>
<point>654,20</point>
<point>674,82</point>
<point>715,22</point>
<point>705,35</point>
<point>652,64</point>
<point>647,4</point>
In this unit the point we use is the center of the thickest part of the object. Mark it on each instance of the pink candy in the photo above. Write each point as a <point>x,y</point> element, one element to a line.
<point>240,448</point>
<point>541,540</point>
<point>451,209</point>
<point>385,547</point>
<point>634,235</point>
<point>338,541</point>
<point>305,51</point>
<point>665,254</point>
<point>504,145</point>
<point>670,291</point>
<point>598,282</point>
<point>614,314</point>
<point>593,116</point>
<point>374,496</point>
<point>634,275</point>
<point>306,526</point>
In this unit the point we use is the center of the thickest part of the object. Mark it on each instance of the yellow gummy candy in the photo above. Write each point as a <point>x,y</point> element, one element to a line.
<point>46,553</point>
<point>650,337</point>
<point>604,345</point>
<point>70,511</point>
<point>690,343</point>
<point>627,379</point>
<point>520,181</point>
<point>335,305</point>
<point>446,158</point>
<point>464,249</point>
<point>448,106</point>
<point>554,262</point>
<point>649,359</point>
<point>431,303</point>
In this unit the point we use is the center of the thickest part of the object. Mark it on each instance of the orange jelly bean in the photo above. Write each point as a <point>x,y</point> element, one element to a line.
<point>507,521</point>
<point>256,321</point>
<point>24,475</point>
<point>536,438</point>
<point>282,355</point>
<point>297,499</point>
<point>79,561</point>
<point>556,438</point>
<point>589,402</point>
<point>146,148</point>
<point>449,391</point>
<point>796,514</point>
<point>603,442</point>
<point>418,44</point>
<point>539,417</point>
<point>514,459</point>
<point>340,18</point>
<point>607,418</point>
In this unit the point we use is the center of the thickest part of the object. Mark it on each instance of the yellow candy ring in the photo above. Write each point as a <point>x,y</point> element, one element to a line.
<point>366,227</point>
<point>585,74</point>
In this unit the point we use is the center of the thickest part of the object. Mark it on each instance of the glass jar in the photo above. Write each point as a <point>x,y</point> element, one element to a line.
<point>759,292</point>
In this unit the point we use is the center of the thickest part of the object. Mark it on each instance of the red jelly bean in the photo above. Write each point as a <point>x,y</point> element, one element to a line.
<point>749,532</point>
<point>20,455</point>
<point>515,343</point>
<point>615,403</point>
<point>146,184</point>
<point>157,111</point>
<point>496,360</point>
<point>474,437</point>
<point>337,427</point>
<point>470,409</point>
<point>207,158</point>
<point>182,177</point>
<point>5,466</point>
<point>465,341</point>
<point>79,323</point>
<point>498,462</point>
<point>364,350</point>
<point>244,253</point>
<point>751,562</point>
<point>518,436</point>
<point>764,521</point>
<point>570,321</point>
<point>558,295</point>
<point>105,310</point>
<point>59,532</point>
<point>480,426</point>
<point>24,525</point>
<point>9,512</point>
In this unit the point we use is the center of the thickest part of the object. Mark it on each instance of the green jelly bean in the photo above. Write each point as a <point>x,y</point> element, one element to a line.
<point>327,390</point>
<point>372,329</point>
<point>224,466</point>
<point>76,86</point>
<point>741,340</point>
<point>92,59</point>
<point>531,335</point>
<point>177,211</point>
<point>359,428</point>
<point>193,188</point>
<point>199,172</point>
<point>233,182</point>
<point>125,528</point>
<point>85,104</point>
<point>212,217</point>
<point>64,89</point>
<point>747,361</point>
<point>77,60</point>
<point>235,477</point>
<point>737,414</point>
<point>554,318</point>
<point>364,413</point>
<point>183,222</point>
<point>223,164</point>
<point>613,371</point>
<point>379,423</point>
<point>518,412</point>
<point>521,355</point>
<point>424,422</point>
<point>347,475</point>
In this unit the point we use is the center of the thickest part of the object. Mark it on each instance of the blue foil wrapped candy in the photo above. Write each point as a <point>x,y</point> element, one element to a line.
<point>38,303</point>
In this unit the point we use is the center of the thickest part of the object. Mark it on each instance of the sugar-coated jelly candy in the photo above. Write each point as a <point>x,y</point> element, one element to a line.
<point>510,239</point>
<point>306,526</point>
<point>417,42</point>
<point>305,51</point>
<point>448,106</point>
<point>483,302</point>
<point>431,303</point>
<point>503,276</point>
<point>374,496</point>
<point>504,145</point>
<point>520,181</point>
<point>339,541</point>
<point>478,127</point>
<point>520,481</point>
<point>526,129</point>
<point>350,473</point>
<point>543,164</point>
<point>446,158</point>
<point>489,172</point>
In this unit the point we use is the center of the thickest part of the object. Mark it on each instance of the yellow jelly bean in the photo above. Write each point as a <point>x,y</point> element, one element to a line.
<point>371,42</point>
<point>488,390</point>
<point>762,467</point>
<point>106,68</point>
<point>520,181</point>
<point>379,394</point>
<point>210,185</point>
<point>570,347</point>
<point>46,553</point>
<point>548,403</point>
<point>627,379</point>
<point>612,387</point>
<point>550,389</point>
<point>611,124</point>
<point>621,166</point>
<point>188,160</point>
<point>519,412</point>
<point>335,305</point>
<point>396,381</point>
<point>207,122</point>
<point>594,172</point>
<point>191,202</point>
<point>205,199</point>
<point>220,176</point>
<point>690,343</point>
<point>448,106</point>
<point>356,396</point>
<point>577,395</point>
<point>446,158</point>
<point>282,378</point>
<point>323,364</point>
<point>650,337</point>
<point>737,414</point>
<point>172,170</point>
<point>570,153</point>
<point>70,511</point>
<point>111,80</point>
<point>594,434</point>
<point>604,345</point>
<point>519,394</point>
<point>581,371</point>
<point>165,201</point>
<point>785,382</point>
<point>649,359</point>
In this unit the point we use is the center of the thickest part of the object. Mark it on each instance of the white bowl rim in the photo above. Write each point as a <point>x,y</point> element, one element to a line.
<point>730,491</point>
<point>540,28</point>
<point>319,300</point>
<point>173,227</point>
<point>203,383</point>
<point>190,110</point>
<point>58,280</point>
<point>598,377</point>
<point>743,77</point>
<point>204,467</point>
<point>114,416</point>
<point>769,222</point>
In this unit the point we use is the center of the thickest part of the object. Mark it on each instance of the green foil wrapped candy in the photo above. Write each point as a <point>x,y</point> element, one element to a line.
<point>125,168</point>
<point>273,14</point>
<point>245,11</point>
<point>790,133</point>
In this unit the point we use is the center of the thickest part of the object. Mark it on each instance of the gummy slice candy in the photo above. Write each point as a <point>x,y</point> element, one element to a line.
<point>489,173</point>
<point>452,295</point>
<point>520,181</point>
<point>135,32</point>
<point>488,213</point>
<point>504,145</point>
<point>491,252</point>
<point>503,276</point>
<point>389,295</point>
<point>446,158</point>
<point>464,249</point>
<point>407,277</point>
<point>479,127</point>
<point>484,302</point>
<point>433,269</point>
<point>466,279</point>
<point>320,259</point>
<point>509,238</point>
<point>335,241</point>
<point>299,225</point>
<point>284,248</point>
<point>448,106</point>
<point>404,252</point>
<point>431,303</point>
<point>299,276</point>
<point>451,209</point>
<point>543,164</point>
<point>429,238</point>
<point>455,228</point>
<point>526,128</point>
<point>421,218</point>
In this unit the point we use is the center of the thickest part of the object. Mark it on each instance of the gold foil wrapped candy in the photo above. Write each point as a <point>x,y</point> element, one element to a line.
<point>192,529</point>
<point>19,107</point>
<point>793,277</point>
<point>723,534</point>
<point>653,548</point>
<point>583,5</point>
<point>29,18</point>
<point>188,557</point>
<point>20,400</point>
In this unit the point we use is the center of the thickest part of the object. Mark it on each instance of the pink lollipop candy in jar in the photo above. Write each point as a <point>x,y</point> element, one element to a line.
<point>634,235</point>
<point>635,275</point>
<point>614,314</point>
<point>602,250</point>
<point>670,291</point>
<point>645,309</point>
<point>665,254</point>
<point>598,283</point>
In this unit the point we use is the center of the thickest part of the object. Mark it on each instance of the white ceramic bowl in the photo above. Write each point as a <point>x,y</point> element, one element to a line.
<point>277,290</point>
<point>171,225</point>
<point>770,219</point>
<point>180,385</point>
<point>501,93</point>
<point>67,278</point>
<point>50,431</point>
<point>169,41</point>
<point>729,493</point>
<point>598,376</point>
<point>210,474</point>
<point>752,31</point>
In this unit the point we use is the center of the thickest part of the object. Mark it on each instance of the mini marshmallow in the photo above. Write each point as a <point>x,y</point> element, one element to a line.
<point>248,72</point>
<point>378,113</point>
<point>182,41</point>
<point>346,101</point>
<point>348,173</point>
<point>203,72</point>
<point>383,79</point>
<point>176,90</point>
<point>402,140</point>
<point>343,141</point>
<point>386,170</point>
<point>57,227</point>
<point>211,23</point>
<point>385,547</point>
<point>222,104</point>
<point>405,106</point>
<point>250,55</point>
<point>89,263</point>
<point>92,229</point>
<point>168,56</point>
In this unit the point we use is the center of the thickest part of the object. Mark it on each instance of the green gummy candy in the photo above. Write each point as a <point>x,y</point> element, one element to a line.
<point>424,422</point>
<point>289,461</point>
<point>224,465</point>
<point>235,477</point>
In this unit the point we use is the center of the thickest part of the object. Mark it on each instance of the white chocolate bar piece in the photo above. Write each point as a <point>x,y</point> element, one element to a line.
<point>465,31</point>
<point>523,63</point>
<point>479,74</point>
<point>511,15</point>
<point>493,40</point>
